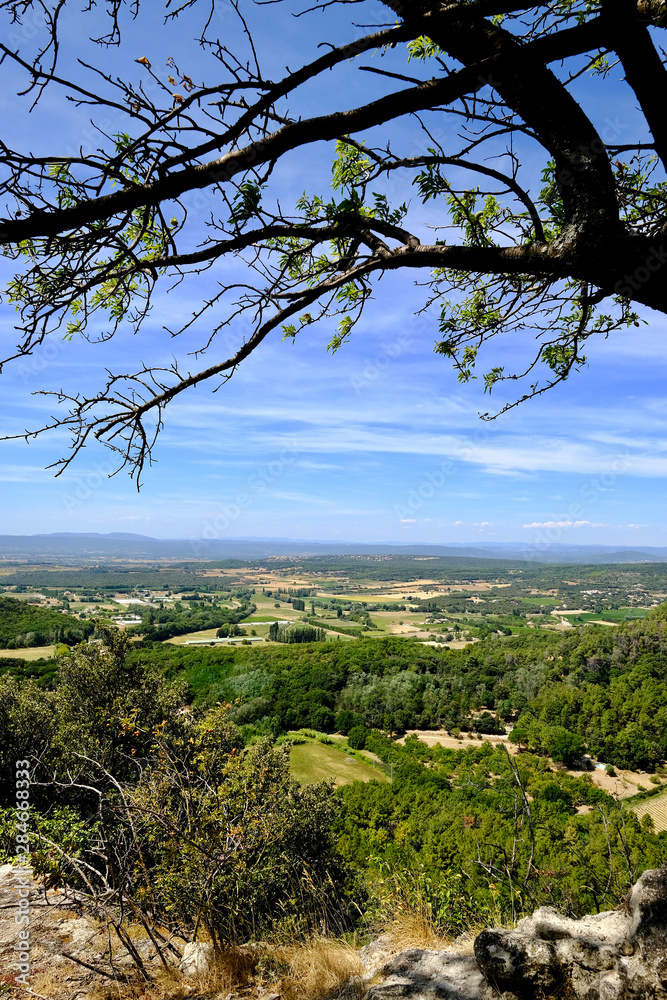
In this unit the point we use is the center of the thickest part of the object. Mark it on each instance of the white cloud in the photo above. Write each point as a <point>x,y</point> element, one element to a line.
<point>565,524</point>
<point>24,474</point>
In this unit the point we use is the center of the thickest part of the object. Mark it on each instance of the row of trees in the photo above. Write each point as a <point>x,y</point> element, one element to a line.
<point>295,633</point>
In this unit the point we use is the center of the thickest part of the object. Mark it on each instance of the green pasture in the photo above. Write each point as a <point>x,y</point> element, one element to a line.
<point>616,615</point>
<point>313,761</point>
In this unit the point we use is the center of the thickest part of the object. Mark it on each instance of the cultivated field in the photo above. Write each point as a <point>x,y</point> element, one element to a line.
<point>314,761</point>
<point>29,653</point>
<point>655,808</point>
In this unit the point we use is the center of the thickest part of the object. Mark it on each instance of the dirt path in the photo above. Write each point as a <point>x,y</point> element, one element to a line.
<point>622,786</point>
<point>431,737</point>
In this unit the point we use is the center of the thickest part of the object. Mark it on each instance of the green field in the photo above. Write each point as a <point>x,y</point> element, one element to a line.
<point>314,761</point>
<point>616,615</point>
<point>278,617</point>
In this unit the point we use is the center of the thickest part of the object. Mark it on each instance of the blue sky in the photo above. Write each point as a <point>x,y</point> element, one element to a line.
<point>376,443</point>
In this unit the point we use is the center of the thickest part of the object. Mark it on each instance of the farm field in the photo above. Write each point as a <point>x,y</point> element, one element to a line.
<point>656,808</point>
<point>29,653</point>
<point>314,761</point>
<point>613,616</point>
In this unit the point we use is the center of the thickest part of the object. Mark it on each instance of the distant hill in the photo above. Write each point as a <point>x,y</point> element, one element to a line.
<point>94,534</point>
<point>90,548</point>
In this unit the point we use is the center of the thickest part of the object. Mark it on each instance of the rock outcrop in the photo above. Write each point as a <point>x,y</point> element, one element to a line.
<point>197,959</point>
<point>615,955</point>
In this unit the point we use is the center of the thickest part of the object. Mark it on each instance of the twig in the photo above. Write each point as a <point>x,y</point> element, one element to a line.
<point>86,965</point>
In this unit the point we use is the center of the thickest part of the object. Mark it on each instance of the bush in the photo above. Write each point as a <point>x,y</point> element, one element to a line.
<point>346,720</point>
<point>214,835</point>
<point>357,737</point>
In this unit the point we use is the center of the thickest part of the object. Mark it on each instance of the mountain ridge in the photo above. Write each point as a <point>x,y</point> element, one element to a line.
<point>117,545</point>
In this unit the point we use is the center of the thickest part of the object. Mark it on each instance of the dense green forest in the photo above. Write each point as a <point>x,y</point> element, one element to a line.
<point>462,834</point>
<point>477,830</point>
<point>23,624</point>
<point>605,686</point>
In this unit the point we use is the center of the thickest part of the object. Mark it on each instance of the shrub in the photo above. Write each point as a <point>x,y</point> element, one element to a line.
<point>357,737</point>
<point>213,835</point>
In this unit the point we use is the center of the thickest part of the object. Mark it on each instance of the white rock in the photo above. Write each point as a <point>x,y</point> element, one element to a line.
<point>617,955</point>
<point>197,959</point>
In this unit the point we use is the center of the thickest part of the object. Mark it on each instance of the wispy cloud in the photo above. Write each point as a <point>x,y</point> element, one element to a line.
<point>565,524</point>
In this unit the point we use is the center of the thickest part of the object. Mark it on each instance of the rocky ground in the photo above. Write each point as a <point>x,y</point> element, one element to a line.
<point>69,950</point>
<point>615,955</point>
<point>619,954</point>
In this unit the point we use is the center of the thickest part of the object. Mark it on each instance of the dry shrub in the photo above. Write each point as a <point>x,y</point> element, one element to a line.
<point>414,929</point>
<point>322,967</point>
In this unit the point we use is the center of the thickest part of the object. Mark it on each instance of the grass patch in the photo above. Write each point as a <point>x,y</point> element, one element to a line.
<point>313,761</point>
<point>30,653</point>
<point>292,616</point>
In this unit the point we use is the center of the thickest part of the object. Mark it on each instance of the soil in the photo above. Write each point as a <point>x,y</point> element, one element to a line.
<point>433,736</point>
<point>58,929</point>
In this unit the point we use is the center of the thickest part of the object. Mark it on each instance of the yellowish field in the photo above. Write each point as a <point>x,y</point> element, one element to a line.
<point>314,761</point>
<point>655,808</point>
<point>380,591</point>
<point>29,653</point>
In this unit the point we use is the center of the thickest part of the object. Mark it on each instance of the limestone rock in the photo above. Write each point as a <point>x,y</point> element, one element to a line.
<point>432,975</point>
<point>616,955</point>
<point>197,959</point>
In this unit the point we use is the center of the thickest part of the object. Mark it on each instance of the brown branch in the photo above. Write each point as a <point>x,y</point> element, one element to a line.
<point>526,85</point>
